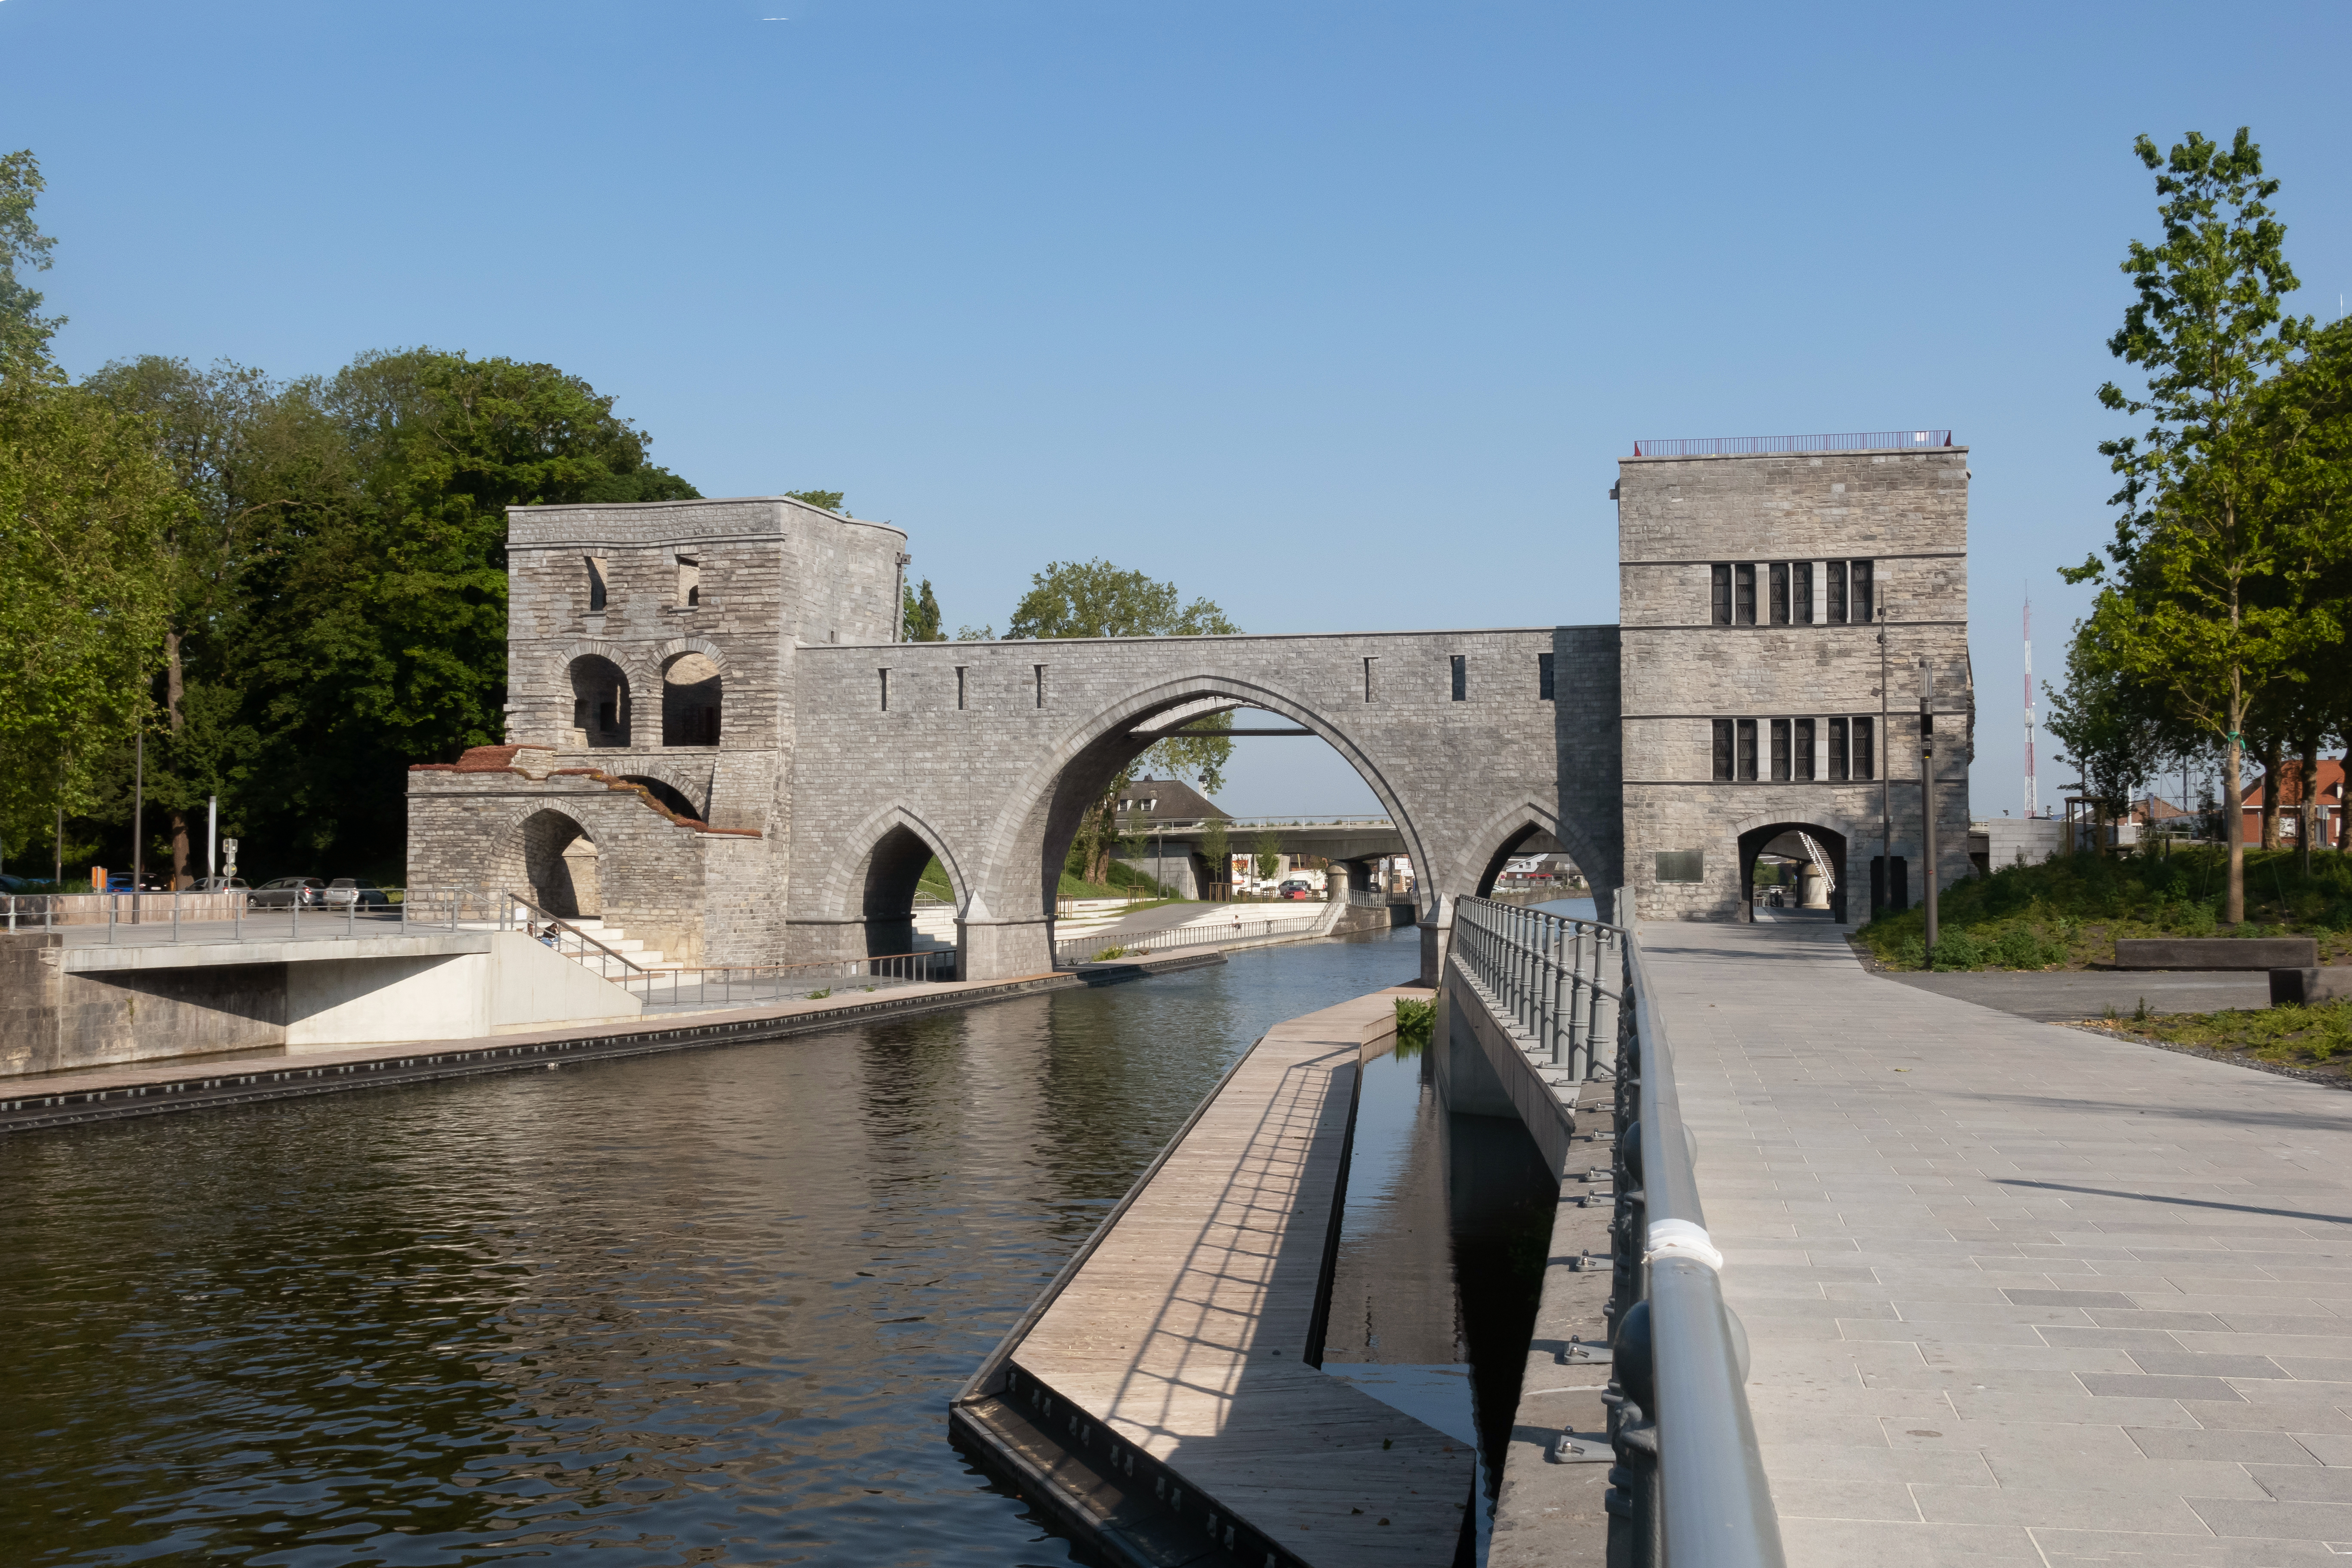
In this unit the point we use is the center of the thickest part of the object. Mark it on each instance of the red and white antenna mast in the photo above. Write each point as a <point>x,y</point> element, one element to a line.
<point>2032,799</point>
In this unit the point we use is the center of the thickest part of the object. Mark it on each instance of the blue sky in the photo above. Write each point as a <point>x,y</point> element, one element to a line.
<point>1337,315</point>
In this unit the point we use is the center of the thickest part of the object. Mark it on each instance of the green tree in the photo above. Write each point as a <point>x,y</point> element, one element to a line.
<point>1096,599</point>
<point>2207,607</point>
<point>1268,851</point>
<point>25,333</point>
<point>829,499</point>
<point>922,616</point>
<point>2115,728</point>
<point>1217,849</point>
<point>372,627</point>
<point>84,510</point>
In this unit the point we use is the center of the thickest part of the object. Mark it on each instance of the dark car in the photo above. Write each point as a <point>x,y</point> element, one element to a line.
<point>283,893</point>
<point>1295,889</point>
<point>345,892</point>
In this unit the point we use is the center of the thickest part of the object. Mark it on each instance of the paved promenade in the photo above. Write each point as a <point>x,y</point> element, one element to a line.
<point>2016,1293</point>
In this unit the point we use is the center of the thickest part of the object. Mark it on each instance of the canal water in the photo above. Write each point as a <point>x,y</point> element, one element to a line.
<point>706,1307</point>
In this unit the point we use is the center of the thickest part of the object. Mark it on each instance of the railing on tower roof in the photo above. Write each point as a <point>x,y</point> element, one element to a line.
<point>1846,441</point>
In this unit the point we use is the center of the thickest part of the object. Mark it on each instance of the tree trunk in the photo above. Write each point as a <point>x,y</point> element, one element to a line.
<point>2271,750</point>
<point>2233,834</point>
<point>174,689</point>
<point>2306,785</point>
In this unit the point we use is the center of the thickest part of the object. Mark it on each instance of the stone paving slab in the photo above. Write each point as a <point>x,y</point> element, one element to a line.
<point>2015,1293</point>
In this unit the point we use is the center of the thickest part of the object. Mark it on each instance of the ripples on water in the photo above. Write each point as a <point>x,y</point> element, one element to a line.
<point>706,1307</point>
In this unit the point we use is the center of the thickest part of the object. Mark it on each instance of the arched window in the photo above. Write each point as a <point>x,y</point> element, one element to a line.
<point>691,684</point>
<point>600,703</point>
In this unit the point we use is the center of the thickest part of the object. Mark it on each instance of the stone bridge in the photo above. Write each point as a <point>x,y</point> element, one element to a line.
<point>717,738</point>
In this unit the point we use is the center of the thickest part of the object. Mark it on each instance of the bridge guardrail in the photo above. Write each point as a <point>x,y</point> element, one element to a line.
<point>1688,1489</point>
<point>242,915</point>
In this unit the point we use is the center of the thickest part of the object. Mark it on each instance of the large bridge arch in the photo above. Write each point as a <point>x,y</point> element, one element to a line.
<point>1000,748</point>
<point>1044,808</point>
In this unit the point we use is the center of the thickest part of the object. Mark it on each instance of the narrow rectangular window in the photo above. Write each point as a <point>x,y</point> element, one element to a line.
<point>1801,588</point>
<point>1040,671</point>
<point>1864,592</point>
<point>885,690</point>
<point>689,582</point>
<point>1865,757</point>
<point>1838,765</point>
<point>1780,751</point>
<point>1460,677</point>
<point>595,585</point>
<point>1743,577</point>
<point>1720,577</point>
<point>1804,750</point>
<point>1779,592</point>
<point>1369,661</point>
<point>1723,751</point>
<point>1543,677</point>
<point>960,669</point>
<point>1836,569</point>
<point>1747,751</point>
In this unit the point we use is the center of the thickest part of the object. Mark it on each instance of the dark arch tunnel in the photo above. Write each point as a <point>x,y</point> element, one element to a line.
<point>1757,841</point>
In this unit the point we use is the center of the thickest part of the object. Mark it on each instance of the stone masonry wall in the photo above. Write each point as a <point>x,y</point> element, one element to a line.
<point>1905,511</point>
<point>995,786</point>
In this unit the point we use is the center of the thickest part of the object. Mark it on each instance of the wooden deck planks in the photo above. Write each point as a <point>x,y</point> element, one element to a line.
<point>1187,1329</point>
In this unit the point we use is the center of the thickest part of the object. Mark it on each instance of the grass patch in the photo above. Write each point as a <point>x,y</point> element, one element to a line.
<point>2067,912</point>
<point>2287,1034</point>
<point>1416,1025</point>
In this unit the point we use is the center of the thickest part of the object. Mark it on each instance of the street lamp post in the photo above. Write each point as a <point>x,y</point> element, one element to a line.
<point>1928,793</point>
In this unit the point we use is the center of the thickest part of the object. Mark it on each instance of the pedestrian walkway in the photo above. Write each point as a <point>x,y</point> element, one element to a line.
<point>2016,1293</point>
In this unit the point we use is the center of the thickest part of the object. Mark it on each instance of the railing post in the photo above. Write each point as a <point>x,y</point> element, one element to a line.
<point>113,913</point>
<point>175,914</point>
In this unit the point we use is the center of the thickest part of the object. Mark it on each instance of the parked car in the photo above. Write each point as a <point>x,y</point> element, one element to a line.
<point>1295,889</point>
<point>284,892</point>
<point>347,890</point>
<point>220,885</point>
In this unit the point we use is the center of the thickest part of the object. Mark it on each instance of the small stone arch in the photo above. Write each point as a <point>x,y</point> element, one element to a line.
<point>600,702</point>
<point>692,684</point>
<point>666,651</point>
<point>1510,832</point>
<point>878,888</point>
<point>668,794</point>
<point>551,854</point>
<point>1759,837</point>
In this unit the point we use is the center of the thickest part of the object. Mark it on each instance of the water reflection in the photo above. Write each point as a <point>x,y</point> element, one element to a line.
<point>700,1307</point>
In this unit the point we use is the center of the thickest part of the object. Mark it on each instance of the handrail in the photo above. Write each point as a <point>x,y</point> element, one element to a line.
<point>1845,441</point>
<point>621,958</point>
<point>1690,1489</point>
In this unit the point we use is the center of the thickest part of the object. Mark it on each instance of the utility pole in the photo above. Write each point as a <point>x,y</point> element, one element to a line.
<point>1927,792</point>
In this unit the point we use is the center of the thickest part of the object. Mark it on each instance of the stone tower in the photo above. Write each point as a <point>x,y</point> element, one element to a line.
<point>651,701</point>
<point>1754,588</point>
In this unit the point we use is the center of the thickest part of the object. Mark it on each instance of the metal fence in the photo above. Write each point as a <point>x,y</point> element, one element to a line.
<point>1206,934</point>
<point>1846,441</point>
<point>259,915</point>
<point>1687,1488</point>
<point>1552,973</point>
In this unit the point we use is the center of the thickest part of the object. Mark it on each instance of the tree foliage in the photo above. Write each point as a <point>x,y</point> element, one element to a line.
<point>25,333</point>
<point>2209,601</point>
<point>1096,599</point>
<point>922,615</point>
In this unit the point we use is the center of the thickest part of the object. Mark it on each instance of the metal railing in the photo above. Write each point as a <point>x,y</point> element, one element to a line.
<point>696,987</point>
<point>242,915</point>
<point>1550,973</point>
<point>1205,933</point>
<point>1688,1489</point>
<point>1847,441</point>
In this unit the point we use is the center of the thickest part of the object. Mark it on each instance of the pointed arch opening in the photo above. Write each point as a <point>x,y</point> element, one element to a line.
<point>559,866</point>
<point>600,704</point>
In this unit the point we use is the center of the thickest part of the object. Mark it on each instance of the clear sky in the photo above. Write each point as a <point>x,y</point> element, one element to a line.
<point>1338,315</point>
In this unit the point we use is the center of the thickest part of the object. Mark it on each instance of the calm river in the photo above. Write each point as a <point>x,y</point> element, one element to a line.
<point>698,1307</point>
